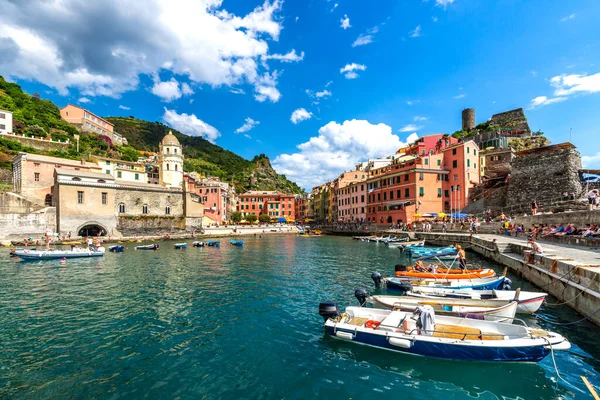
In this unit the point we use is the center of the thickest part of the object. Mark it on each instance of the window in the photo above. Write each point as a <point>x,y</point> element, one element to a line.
<point>475,165</point>
<point>36,176</point>
<point>384,196</point>
<point>80,197</point>
<point>474,152</point>
<point>407,192</point>
<point>175,167</point>
<point>453,152</point>
<point>439,192</point>
<point>168,150</point>
<point>455,177</point>
<point>467,150</point>
<point>119,174</point>
<point>167,167</point>
<point>145,209</point>
<point>104,198</point>
<point>175,151</point>
<point>362,198</point>
<point>121,208</point>
<point>391,195</point>
<point>2,126</point>
<point>446,194</point>
<point>406,178</point>
<point>439,162</point>
<point>426,161</point>
<point>378,196</point>
<point>253,207</point>
<point>455,164</point>
<point>37,164</point>
<point>2,115</point>
<point>421,191</point>
<point>107,162</point>
<point>137,177</point>
<point>468,163</point>
<point>421,177</point>
<point>398,192</point>
<point>168,210</point>
<point>107,171</point>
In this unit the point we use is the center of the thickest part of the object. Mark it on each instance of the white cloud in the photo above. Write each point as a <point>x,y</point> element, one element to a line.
<point>122,107</point>
<point>533,72</point>
<point>337,148</point>
<point>198,39</point>
<point>412,137</point>
<point>247,136</point>
<point>167,91</point>
<point>324,93</point>
<point>434,19</point>
<point>249,123</point>
<point>362,40</point>
<point>186,90</point>
<point>291,56</point>
<point>237,91</point>
<point>190,125</point>
<point>443,3</point>
<point>410,128</point>
<point>349,70</point>
<point>541,101</point>
<point>328,84</point>
<point>570,84</point>
<point>297,18</point>
<point>300,115</point>
<point>418,118</point>
<point>568,17</point>
<point>265,88</point>
<point>84,100</point>
<point>345,22</point>
<point>591,162</point>
<point>416,32</point>
<point>460,96</point>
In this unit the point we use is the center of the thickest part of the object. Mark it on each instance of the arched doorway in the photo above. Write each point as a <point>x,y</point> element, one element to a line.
<point>48,200</point>
<point>389,219</point>
<point>91,229</point>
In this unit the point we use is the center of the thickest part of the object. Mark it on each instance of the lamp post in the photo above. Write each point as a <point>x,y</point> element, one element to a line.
<point>77,138</point>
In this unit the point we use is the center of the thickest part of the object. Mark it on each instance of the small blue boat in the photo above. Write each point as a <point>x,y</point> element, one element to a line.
<point>213,243</point>
<point>180,245</point>
<point>475,284</point>
<point>118,248</point>
<point>236,242</point>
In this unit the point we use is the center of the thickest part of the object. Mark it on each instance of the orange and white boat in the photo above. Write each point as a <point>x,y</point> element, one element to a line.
<point>442,273</point>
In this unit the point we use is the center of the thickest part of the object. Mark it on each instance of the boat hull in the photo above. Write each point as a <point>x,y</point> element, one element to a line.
<point>476,284</point>
<point>56,255</point>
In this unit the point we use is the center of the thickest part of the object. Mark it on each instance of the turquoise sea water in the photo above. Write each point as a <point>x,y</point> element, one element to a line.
<point>237,323</point>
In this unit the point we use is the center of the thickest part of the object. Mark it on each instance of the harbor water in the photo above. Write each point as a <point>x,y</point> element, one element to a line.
<point>239,322</point>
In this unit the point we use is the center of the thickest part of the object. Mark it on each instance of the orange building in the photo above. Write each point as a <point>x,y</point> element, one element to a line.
<point>271,203</point>
<point>435,175</point>
<point>90,122</point>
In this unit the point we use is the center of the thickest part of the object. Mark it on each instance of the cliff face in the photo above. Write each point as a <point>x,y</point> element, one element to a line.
<point>263,177</point>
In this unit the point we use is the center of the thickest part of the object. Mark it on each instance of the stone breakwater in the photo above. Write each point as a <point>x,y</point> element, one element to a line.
<point>209,233</point>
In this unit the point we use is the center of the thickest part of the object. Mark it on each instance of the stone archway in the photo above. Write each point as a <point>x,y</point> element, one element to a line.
<point>92,228</point>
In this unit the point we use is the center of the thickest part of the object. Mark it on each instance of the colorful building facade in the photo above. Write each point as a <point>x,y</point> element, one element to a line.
<point>274,204</point>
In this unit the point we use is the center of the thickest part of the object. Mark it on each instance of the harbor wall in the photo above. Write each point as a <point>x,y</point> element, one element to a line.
<point>573,284</point>
<point>18,225</point>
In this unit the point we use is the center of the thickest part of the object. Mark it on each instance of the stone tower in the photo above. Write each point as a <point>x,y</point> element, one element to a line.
<point>170,161</point>
<point>468,119</point>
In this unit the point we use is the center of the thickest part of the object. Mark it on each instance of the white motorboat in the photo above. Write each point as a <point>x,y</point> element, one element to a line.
<point>528,302</point>
<point>430,335</point>
<point>77,252</point>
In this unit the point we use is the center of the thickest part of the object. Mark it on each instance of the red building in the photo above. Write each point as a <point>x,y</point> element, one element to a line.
<point>274,204</point>
<point>434,175</point>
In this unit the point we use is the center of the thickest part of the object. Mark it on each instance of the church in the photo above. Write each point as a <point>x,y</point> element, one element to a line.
<point>118,202</point>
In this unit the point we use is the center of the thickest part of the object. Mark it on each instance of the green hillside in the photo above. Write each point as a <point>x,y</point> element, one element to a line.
<point>41,118</point>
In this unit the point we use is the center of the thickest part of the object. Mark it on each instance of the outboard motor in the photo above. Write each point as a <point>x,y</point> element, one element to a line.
<point>361,295</point>
<point>506,284</point>
<point>329,310</point>
<point>404,287</point>
<point>377,279</point>
<point>400,268</point>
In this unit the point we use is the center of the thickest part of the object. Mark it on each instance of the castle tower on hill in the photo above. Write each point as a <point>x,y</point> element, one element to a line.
<point>171,162</point>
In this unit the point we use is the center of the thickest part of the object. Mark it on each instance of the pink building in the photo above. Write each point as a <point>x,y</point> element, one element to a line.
<point>214,194</point>
<point>352,202</point>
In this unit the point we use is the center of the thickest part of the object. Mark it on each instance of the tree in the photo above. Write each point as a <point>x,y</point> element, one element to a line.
<point>251,218</point>
<point>264,218</point>
<point>236,216</point>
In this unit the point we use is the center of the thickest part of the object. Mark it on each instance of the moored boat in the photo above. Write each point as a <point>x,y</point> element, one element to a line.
<point>180,245</point>
<point>117,248</point>
<point>411,273</point>
<point>154,246</point>
<point>440,336</point>
<point>213,243</point>
<point>198,244</point>
<point>76,252</point>
<point>528,302</point>
<point>236,242</point>
<point>405,285</point>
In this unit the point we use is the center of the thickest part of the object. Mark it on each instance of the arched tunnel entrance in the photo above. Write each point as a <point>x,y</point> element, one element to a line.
<point>92,230</point>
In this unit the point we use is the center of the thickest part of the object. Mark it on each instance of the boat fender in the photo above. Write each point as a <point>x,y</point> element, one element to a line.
<point>404,343</point>
<point>344,335</point>
<point>377,279</point>
<point>506,284</point>
<point>361,295</point>
<point>372,324</point>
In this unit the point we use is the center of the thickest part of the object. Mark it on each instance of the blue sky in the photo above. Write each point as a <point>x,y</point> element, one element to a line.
<point>317,85</point>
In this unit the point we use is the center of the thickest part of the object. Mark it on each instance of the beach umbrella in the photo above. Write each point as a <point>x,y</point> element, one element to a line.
<point>416,215</point>
<point>442,215</point>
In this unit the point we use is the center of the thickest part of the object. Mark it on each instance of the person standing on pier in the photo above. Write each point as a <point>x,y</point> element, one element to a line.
<point>534,207</point>
<point>592,197</point>
<point>462,258</point>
